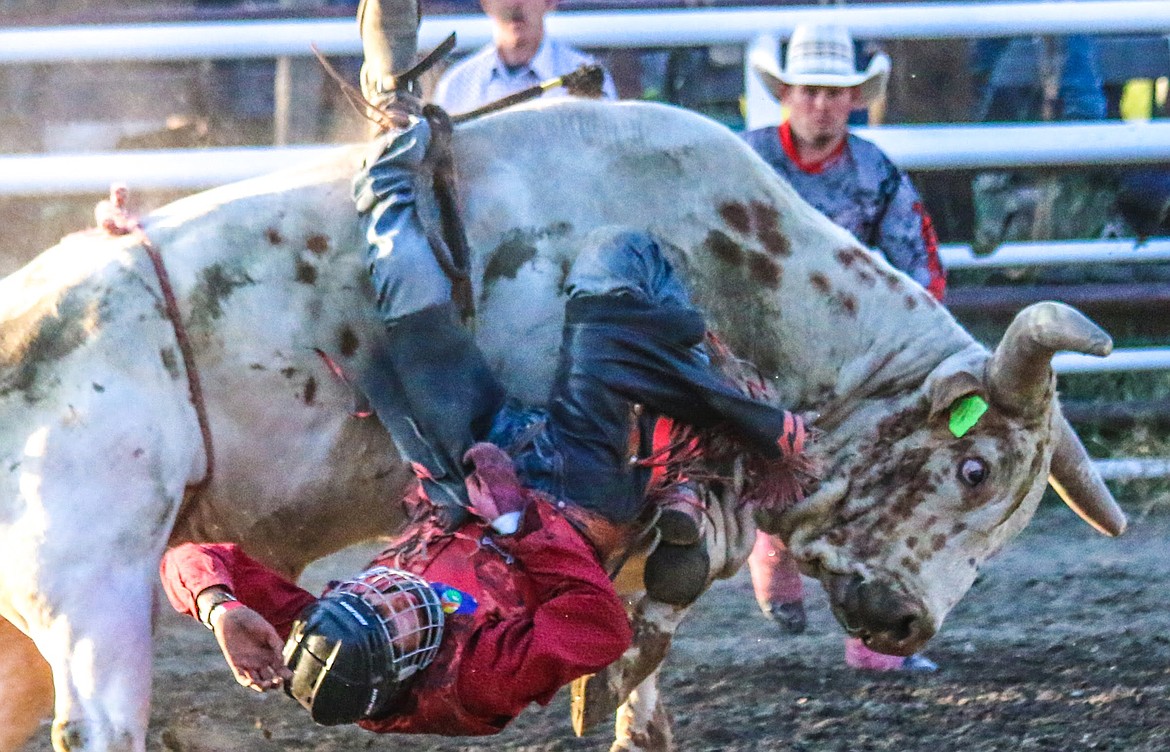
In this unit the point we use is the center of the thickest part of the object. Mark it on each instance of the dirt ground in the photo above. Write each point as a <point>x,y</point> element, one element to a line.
<point>1063,644</point>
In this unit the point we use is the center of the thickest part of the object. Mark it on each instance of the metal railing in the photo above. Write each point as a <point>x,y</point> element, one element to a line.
<point>914,147</point>
<point>607,29</point>
<point>754,27</point>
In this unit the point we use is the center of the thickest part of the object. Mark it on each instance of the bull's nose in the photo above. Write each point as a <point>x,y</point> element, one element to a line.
<point>885,619</point>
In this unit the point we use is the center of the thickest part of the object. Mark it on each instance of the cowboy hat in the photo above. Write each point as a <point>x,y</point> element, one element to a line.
<point>822,56</point>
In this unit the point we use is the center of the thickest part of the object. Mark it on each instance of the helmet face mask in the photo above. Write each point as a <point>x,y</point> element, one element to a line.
<point>353,651</point>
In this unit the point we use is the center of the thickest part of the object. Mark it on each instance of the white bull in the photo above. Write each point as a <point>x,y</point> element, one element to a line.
<point>99,439</point>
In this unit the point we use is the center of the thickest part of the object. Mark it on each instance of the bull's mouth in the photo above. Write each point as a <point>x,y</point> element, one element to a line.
<point>882,616</point>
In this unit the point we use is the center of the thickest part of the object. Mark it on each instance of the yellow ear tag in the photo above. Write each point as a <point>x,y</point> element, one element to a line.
<point>965,413</point>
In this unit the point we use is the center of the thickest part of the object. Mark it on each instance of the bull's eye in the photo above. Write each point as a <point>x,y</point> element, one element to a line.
<point>972,471</point>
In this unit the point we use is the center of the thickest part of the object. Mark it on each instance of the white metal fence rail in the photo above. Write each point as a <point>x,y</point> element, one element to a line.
<point>624,28</point>
<point>916,147</point>
<point>919,147</point>
<point>753,27</point>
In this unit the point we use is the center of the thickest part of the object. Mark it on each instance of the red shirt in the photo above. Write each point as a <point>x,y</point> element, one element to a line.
<point>572,623</point>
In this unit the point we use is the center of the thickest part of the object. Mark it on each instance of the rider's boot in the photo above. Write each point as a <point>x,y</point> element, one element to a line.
<point>389,31</point>
<point>447,398</point>
<point>428,381</point>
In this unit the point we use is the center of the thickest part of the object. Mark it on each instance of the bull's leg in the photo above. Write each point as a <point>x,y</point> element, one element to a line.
<point>599,696</point>
<point>643,724</point>
<point>95,633</point>
<point>26,688</point>
<point>95,499</point>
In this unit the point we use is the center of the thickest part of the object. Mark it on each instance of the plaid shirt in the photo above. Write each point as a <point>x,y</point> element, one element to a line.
<point>484,78</point>
<point>861,190</point>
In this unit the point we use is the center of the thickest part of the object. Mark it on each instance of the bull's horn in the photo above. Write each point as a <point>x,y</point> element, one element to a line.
<point>1018,373</point>
<point>389,30</point>
<point>1073,476</point>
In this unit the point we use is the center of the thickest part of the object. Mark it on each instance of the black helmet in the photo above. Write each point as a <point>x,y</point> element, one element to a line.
<point>352,652</point>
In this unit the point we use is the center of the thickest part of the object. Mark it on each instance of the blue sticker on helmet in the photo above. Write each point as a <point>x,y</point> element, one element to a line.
<point>454,600</point>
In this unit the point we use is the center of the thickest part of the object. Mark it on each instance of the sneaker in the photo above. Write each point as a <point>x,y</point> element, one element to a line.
<point>791,617</point>
<point>858,656</point>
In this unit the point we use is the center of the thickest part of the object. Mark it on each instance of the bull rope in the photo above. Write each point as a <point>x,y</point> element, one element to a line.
<point>116,219</point>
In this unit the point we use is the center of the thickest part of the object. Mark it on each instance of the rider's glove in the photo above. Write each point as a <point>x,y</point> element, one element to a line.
<point>493,488</point>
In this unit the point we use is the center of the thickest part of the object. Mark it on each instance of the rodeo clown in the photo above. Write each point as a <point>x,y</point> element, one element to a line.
<point>497,592</point>
<point>853,183</point>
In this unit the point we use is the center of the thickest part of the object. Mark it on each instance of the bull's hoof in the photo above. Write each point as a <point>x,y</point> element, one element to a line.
<point>677,575</point>
<point>637,734</point>
<point>594,699</point>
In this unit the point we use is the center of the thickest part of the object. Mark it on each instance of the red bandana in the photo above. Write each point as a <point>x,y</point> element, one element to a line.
<point>811,168</point>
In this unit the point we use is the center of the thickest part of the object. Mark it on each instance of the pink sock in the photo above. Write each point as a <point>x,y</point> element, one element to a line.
<point>857,655</point>
<point>775,576</point>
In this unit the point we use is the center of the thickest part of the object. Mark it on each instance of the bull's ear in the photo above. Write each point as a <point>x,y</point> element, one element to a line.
<point>957,377</point>
<point>947,393</point>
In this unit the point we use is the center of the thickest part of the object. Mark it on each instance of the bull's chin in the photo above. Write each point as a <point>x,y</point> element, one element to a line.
<point>885,620</point>
<point>889,646</point>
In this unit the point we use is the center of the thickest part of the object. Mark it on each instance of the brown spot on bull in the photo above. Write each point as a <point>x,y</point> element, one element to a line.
<point>862,263</point>
<point>765,271</point>
<point>767,222</point>
<point>912,542</point>
<point>938,542</point>
<point>775,242</point>
<point>736,217</point>
<point>845,257</point>
<point>723,248</point>
<point>98,387</point>
<point>958,528</point>
<point>563,280</point>
<point>904,484</point>
<point>517,248</point>
<point>214,285</point>
<point>911,565</point>
<point>899,425</point>
<point>911,303</point>
<point>306,273</point>
<point>513,252</point>
<point>170,362</point>
<point>837,536</point>
<point>46,333</point>
<point>273,235</point>
<point>765,216</point>
<point>848,304</point>
<point>318,244</point>
<point>347,342</point>
<point>820,283</point>
<point>310,390</point>
<point>288,372</point>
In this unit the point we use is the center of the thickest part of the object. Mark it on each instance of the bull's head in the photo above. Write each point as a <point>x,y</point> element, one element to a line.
<point>914,501</point>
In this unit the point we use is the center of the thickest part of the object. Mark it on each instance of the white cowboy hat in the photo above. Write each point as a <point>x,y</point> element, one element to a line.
<point>822,56</point>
